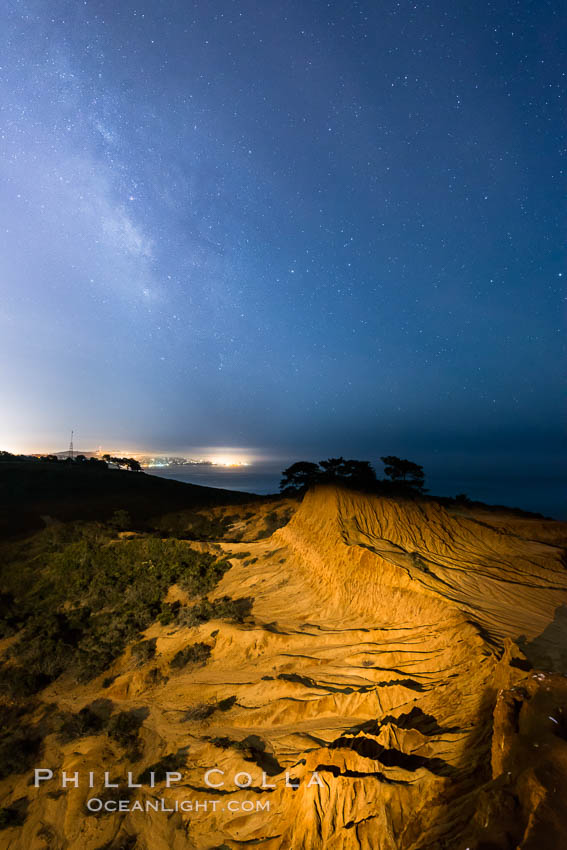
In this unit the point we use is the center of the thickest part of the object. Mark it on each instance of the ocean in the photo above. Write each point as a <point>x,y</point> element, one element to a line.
<point>541,495</point>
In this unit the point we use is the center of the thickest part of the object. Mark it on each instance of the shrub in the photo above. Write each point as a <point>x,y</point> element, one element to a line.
<point>14,815</point>
<point>169,612</point>
<point>224,608</point>
<point>194,654</point>
<point>273,522</point>
<point>8,614</point>
<point>90,720</point>
<point>203,710</point>
<point>167,764</point>
<point>462,499</point>
<point>17,682</point>
<point>254,749</point>
<point>19,748</point>
<point>203,576</point>
<point>121,520</point>
<point>200,711</point>
<point>144,651</point>
<point>124,727</point>
<point>154,676</point>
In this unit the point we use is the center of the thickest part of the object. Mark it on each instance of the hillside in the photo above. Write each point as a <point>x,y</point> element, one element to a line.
<point>30,490</point>
<point>410,656</point>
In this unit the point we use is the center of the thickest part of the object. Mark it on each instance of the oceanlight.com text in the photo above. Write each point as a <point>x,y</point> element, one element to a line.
<point>160,804</point>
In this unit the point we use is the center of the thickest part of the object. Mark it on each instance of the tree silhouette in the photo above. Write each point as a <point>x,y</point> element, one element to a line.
<point>398,469</point>
<point>298,477</point>
<point>302,475</point>
<point>334,468</point>
<point>359,473</point>
<point>128,462</point>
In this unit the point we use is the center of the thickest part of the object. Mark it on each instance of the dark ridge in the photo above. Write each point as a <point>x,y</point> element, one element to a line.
<point>516,709</point>
<point>406,683</point>
<point>415,719</point>
<point>243,842</point>
<point>300,680</point>
<point>273,627</point>
<point>521,664</point>
<point>359,774</point>
<point>218,791</point>
<point>386,669</point>
<point>353,823</point>
<point>371,749</point>
<point>310,683</point>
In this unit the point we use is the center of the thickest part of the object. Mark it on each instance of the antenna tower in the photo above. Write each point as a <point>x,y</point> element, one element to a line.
<point>71,450</point>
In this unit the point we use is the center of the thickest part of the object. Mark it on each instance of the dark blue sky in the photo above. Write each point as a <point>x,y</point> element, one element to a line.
<point>303,228</point>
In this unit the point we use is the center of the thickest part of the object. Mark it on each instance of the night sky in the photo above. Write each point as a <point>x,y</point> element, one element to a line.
<point>298,228</point>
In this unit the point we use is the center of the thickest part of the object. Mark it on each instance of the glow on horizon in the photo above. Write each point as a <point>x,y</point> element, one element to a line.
<point>226,456</point>
<point>218,456</point>
<point>229,460</point>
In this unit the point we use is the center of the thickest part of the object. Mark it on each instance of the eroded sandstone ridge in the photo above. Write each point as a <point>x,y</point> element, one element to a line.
<point>410,656</point>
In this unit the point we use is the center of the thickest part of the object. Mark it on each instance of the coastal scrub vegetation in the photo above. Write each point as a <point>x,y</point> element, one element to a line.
<point>273,521</point>
<point>190,525</point>
<point>76,597</point>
